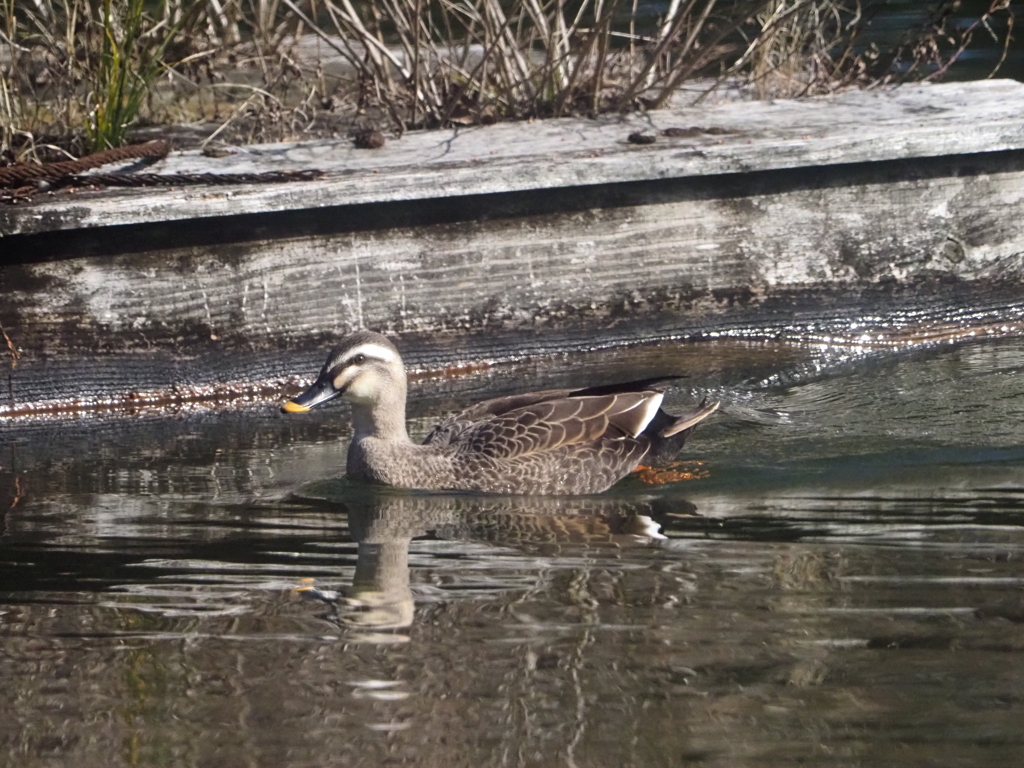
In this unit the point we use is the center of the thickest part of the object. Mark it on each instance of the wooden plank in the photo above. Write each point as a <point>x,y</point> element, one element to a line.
<point>908,122</point>
<point>751,254</point>
<point>887,212</point>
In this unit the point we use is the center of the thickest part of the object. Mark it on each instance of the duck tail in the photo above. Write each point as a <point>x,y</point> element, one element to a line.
<point>667,434</point>
<point>690,420</point>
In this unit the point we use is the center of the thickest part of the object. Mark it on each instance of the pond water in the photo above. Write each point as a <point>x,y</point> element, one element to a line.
<point>831,576</point>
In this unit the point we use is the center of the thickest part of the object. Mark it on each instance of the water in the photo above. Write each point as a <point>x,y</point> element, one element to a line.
<point>832,577</point>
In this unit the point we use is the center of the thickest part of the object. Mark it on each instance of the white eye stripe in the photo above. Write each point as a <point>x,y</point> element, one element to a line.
<point>375,351</point>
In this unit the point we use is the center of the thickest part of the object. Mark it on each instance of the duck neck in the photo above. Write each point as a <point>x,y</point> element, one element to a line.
<point>382,418</point>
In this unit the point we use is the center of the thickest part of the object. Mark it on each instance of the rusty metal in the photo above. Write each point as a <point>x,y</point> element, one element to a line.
<point>177,179</point>
<point>20,182</point>
<point>23,174</point>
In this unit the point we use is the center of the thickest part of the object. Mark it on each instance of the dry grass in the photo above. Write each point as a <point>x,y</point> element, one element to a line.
<point>471,60</point>
<point>80,74</point>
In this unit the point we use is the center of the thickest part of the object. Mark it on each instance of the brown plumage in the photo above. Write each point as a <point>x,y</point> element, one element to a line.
<point>554,442</point>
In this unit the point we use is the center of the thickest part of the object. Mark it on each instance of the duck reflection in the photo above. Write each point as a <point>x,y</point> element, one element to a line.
<point>383,522</point>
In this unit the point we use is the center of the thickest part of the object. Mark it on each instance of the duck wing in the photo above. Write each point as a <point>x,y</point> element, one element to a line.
<point>550,425</point>
<point>452,428</point>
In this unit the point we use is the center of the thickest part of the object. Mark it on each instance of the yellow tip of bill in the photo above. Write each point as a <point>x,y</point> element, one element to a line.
<point>291,406</point>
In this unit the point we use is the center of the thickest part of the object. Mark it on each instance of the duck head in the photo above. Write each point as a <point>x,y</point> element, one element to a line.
<point>365,369</point>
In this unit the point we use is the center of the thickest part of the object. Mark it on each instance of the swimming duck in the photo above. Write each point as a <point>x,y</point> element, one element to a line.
<point>559,441</point>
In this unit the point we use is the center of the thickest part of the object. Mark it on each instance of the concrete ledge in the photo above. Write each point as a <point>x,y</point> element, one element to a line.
<point>479,244</point>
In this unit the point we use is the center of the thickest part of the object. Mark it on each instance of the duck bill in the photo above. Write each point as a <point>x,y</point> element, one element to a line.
<point>321,391</point>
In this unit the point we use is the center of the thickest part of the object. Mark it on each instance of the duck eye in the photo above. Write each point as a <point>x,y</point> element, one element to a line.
<point>358,359</point>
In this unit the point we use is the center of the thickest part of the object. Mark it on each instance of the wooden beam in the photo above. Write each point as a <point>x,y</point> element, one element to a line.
<point>899,205</point>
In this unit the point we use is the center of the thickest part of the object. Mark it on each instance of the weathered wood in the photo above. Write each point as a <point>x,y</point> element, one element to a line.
<point>814,212</point>
<point>909,122</point>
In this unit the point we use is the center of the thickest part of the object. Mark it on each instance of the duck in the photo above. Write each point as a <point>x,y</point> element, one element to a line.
<point>553,442</point>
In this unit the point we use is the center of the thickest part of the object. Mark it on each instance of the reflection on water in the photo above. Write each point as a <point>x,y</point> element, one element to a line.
<point>384,523</point>
<point>841,586</point>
